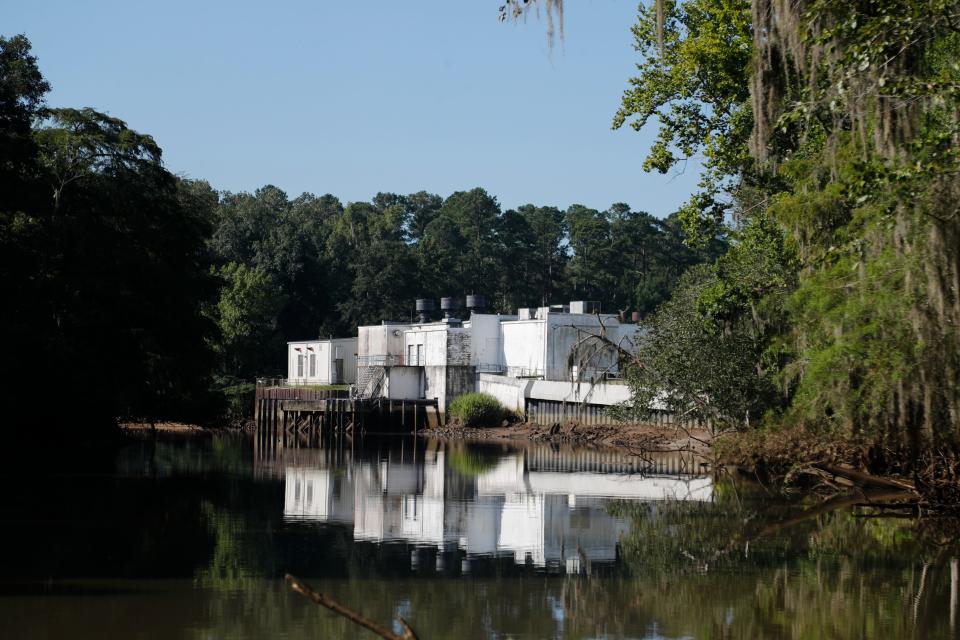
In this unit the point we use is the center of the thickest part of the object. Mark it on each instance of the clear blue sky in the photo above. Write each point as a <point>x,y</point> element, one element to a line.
<point>352,98</point>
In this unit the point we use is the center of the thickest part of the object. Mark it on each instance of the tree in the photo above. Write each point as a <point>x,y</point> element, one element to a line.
<point>475,214</point>
<point>104,266</point>
<point>696,369</point>
<point>246,316</point>
<point>370,242</point>
<point>589,269</point>
<point>440,258</point>
<point>22,90</point>
<point>421,209</point>
<point>693,79</point>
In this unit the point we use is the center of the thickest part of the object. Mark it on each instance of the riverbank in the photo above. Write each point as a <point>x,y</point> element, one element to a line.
<point>163,427</point>
<point>629,437</point>
<point>172,428</point>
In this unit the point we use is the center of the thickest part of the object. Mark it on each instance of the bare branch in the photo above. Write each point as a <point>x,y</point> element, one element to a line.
<point>353,616</point>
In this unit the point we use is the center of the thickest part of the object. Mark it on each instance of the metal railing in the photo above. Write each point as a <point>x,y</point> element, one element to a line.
<point>380,360</point>
<point>524,372</point>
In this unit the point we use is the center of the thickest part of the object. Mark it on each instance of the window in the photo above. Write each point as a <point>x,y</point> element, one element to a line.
<point>419,355</point>
<point>313,364</point>
<point>300,366</point>
<point>411,508</point>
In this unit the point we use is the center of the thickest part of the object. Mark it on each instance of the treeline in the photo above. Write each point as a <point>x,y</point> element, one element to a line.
<point>130,292</point>
<point>294,269</point>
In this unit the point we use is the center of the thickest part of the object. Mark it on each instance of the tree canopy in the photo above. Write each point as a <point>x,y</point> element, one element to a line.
<point>830,128</point>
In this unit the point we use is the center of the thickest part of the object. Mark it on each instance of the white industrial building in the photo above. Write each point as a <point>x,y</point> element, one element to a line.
<point>546,362</point>
<point>331,361</point>
<point>549,354</point>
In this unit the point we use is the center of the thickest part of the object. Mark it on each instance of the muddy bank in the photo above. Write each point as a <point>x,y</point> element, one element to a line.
<point>647,437</point>
<point>169,428</point>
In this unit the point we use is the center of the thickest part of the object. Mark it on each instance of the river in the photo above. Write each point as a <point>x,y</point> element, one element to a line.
<point>191,537</point>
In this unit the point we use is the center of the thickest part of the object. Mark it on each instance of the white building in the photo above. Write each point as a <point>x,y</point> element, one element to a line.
<point>555,343</point>
<point>331,361</point>
<point>499,354</point>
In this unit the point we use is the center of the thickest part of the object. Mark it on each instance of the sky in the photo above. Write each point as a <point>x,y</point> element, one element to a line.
<point>354,98</point>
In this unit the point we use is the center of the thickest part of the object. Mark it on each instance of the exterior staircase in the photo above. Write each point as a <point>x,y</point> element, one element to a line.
<point>370,381</point>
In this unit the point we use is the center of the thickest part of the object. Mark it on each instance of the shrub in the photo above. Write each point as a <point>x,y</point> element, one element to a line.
<point>236,397</point>
<point>477,410</point>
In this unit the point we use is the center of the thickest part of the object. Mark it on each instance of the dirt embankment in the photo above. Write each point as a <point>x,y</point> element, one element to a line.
<point>628,436</point>
<point>136,429</point>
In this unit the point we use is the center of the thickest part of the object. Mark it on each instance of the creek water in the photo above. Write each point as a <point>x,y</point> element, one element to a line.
<point>191,538</point>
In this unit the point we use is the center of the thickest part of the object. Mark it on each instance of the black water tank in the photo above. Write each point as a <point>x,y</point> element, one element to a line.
<point>425,304</point>
<point>425,307</point>
<point>476,302</point>
<point>449,306</point>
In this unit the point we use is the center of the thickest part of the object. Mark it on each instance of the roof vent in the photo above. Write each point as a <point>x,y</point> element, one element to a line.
<point>425,307</point>
<point>476,303</point>
<point>449,306</point>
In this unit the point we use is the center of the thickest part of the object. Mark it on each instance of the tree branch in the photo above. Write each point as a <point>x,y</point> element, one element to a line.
<point>353,616</point>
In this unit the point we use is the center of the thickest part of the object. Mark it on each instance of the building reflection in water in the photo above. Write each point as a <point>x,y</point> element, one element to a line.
<point>543,507</point>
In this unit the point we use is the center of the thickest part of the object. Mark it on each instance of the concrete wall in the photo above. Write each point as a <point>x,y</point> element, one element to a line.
<point>523,346</point>
<point>432,342</point>
<point>459,347</point>
<point>565,332</point>
<point>542,346</point>
<point>460,380</point>
<point>446,359</point>
<point>403,383</point>
<point>435,384</point>
<point>511,392</point>
<point>605,394</point>
<point>485,340</point>
<point>379,340</point>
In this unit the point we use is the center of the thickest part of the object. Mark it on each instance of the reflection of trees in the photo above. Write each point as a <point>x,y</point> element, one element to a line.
<point>746,568</point>
<point>234,563</point>
<point>808,600</point>
<point>162,457</point>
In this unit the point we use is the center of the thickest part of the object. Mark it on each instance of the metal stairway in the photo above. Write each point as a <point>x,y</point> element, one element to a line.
<point>370,381</point>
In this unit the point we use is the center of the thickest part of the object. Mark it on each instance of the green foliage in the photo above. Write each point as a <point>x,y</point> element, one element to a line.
<point>477,410</point>
<point>690,365</point>
<point>246,316</point>
<point>695,58</point>
<point>238,397</point>
<point>833,126</point>
<point>104,268</point>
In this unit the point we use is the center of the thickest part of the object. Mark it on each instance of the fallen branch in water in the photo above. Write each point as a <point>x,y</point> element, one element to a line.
<point>860,478</point>
<point>353,616</point>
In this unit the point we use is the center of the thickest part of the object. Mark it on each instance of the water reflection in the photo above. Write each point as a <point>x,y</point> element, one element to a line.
<point>190,539</point>
<point>542,507</point>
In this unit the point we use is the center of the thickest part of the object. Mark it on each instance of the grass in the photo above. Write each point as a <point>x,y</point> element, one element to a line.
<point>477,410</point>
